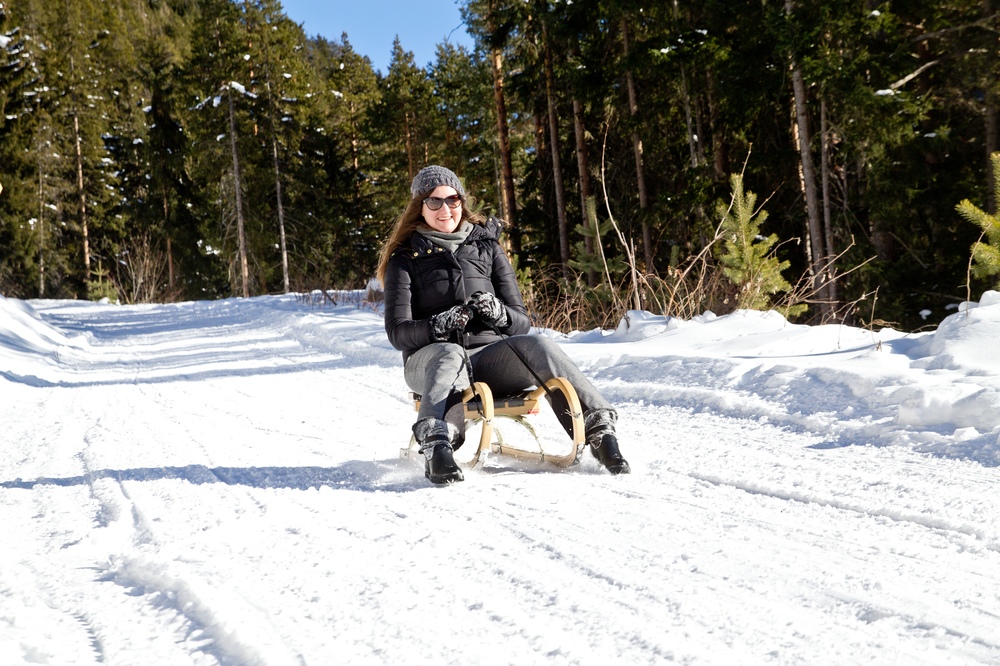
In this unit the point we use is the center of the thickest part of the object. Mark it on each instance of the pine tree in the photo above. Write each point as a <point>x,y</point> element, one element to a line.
<point>462,87</point>
<point>165,221</point>
<point>63,193</point>
<point>222,134</point>
<point>748,260</point>
<point>986,256</point>
<point>281,83</point>
<point>338,188</point>
<point>509,40</point>
<point>20,251</point>
<point>408,113</point>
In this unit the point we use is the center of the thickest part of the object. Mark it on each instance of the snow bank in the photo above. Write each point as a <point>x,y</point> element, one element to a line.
<point>936,391</point>
<point>22,329</point>
<point>26,340</point>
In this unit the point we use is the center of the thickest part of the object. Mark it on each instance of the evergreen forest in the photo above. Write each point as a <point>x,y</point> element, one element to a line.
<point>674,156</point>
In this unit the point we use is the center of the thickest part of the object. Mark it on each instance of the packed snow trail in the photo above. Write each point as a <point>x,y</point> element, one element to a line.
<point>219,483</point>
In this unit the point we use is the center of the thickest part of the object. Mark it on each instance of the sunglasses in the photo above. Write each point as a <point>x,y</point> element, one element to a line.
<point>434,203</point>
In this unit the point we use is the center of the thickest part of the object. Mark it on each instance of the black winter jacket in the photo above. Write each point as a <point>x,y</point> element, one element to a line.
<point>423,279</point>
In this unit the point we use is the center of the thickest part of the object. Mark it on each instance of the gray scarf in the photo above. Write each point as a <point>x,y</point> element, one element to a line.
<point>450,241</point>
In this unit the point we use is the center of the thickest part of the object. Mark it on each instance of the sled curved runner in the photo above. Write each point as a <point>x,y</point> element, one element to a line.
<point>481,406</point>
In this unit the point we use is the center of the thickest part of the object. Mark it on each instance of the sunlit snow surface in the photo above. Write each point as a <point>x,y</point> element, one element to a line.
<point>220,483</point>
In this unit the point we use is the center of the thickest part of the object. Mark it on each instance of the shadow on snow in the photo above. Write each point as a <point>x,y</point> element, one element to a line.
<point>364,476</point>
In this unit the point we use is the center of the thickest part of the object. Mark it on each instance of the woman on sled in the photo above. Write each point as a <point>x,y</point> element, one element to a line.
<point>450,292</point>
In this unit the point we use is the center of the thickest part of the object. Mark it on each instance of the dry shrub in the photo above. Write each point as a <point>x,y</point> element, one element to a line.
<point>569,304</point>
<point>141,271</point>
<point>688,290</point>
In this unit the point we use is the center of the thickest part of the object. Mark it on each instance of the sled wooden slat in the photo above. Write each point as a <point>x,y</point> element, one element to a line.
<point>481,406</point>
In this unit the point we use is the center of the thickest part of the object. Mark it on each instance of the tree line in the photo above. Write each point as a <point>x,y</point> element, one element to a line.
<point>156,150</point>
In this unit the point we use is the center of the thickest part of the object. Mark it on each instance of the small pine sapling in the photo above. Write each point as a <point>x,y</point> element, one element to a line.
<point>985,256</point>
<point>596,262</point>
<point>748,260</point>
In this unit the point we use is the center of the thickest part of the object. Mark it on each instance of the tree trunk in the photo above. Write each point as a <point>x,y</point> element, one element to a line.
<point>808,182</point>
<point>508,202</point>
<point>542,150</point>
<point>281,215</point>
<point>992,129</point>
<point>354,139</point>
<point>586,191</point>
<point>166,227</point>
<point>583,167</point>
<point>409,145</point>
<point>720,153</point>
<point>640,176</point>
<point>282,241</point>
<point>692,138</point>
<point>506,167</point>
<point>992,145</point>
<point>82,196</point>
<point>240,231</point>
<point>355,163</point>
<point>699,131</point>
<point>277,186</point>
<point>556,162</point>
<point>688,119</point>
<point>41,232</point>
<point>827,224</point>
<point>170,266</point>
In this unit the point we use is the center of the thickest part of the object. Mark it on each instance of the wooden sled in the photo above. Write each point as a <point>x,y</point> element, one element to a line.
<point>482,407</point>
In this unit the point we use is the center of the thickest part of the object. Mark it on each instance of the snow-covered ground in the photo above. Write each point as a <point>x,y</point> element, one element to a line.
<point>220,483</point>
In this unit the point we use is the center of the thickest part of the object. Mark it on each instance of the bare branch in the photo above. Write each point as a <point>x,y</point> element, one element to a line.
<point>912,75</point>
<point>958,28</point>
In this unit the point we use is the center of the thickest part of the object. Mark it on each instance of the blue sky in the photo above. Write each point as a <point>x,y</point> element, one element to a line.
<point>372,25</point>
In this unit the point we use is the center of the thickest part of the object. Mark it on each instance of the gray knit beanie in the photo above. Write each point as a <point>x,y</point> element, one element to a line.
<point>432,176</point>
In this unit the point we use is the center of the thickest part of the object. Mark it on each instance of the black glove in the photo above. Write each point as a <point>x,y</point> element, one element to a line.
<point>453,319</point>
<point>489,308</point>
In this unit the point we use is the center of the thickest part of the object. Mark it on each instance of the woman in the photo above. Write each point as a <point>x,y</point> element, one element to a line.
<point>450,291</point>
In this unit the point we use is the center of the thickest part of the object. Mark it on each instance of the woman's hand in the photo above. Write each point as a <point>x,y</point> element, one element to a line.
<point>489,308</point>
<point>452,319</point>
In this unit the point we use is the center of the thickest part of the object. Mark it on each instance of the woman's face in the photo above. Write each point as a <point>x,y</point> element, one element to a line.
<point>445,219</point>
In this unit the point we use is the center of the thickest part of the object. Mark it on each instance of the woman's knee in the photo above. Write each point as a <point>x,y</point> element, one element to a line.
<point>540,346</point>
<point>437,353</point>
<point>529,341</point>
<point>435,362</point>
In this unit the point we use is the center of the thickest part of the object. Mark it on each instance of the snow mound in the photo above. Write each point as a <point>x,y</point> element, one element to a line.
<point>22,329</point>
<point>935,391</point>
<point>26,341</point>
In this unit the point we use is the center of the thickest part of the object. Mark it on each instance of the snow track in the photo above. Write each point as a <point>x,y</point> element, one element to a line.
<point>217,483</point>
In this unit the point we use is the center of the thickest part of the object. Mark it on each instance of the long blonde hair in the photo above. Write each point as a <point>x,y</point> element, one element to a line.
<point>410,219</point>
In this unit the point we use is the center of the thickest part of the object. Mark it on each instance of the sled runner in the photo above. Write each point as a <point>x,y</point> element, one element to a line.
<point>482,407</point>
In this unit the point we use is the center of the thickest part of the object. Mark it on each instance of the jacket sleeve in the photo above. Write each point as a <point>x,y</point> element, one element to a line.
<point>405,333</point>
<point>505,285</point>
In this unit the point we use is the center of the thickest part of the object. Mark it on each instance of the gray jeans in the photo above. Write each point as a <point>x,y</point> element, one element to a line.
<point>437,370</point>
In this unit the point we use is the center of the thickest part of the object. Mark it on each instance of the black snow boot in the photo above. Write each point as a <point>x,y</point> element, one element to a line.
<point>606,450</point>
<point>435,437</point>
<point>440,465</point>
<point>603,442</point>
